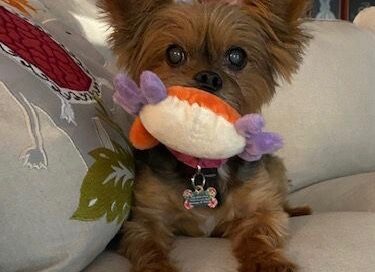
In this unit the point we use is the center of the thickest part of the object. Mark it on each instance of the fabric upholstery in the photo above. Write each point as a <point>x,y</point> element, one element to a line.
<point>331,242</point>
<point>46,137</point>
<point>353,193</point>
<point>109,261</point>
<point>339,237</point>
<point>327,113</point>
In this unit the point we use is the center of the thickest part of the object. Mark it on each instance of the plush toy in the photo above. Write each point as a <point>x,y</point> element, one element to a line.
<point>198,127</point>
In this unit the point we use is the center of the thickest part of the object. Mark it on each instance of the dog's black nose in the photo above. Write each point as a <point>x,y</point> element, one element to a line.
<point>209,81</point>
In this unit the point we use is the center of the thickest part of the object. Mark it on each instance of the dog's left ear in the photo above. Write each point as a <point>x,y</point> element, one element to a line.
<point>281,20</point>
<point>287,10</point>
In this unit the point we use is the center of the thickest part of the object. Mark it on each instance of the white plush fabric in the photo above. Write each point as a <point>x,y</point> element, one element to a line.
<point>327,114</point>
<point>203,132</point>
<point>332,242</point>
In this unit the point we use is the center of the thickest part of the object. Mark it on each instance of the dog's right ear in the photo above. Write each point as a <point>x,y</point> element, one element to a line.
<point>128,18</point>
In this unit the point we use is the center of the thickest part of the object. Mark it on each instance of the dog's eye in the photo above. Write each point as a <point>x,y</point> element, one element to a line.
<point>175,55</point>
<point>236,58</point>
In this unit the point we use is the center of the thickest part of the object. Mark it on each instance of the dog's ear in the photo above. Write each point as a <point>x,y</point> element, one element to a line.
<point>121,12</point>
<point>128,17</point>
<point>287,10</point>
<point>281,21</point>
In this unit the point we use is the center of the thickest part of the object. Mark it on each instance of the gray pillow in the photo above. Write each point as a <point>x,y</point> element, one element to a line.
<point>65,174</point>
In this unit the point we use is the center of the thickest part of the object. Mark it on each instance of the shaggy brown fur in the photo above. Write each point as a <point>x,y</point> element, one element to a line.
<point>252,212</point>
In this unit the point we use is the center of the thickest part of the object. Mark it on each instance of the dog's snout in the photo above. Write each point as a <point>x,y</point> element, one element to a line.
<point>209,81</point>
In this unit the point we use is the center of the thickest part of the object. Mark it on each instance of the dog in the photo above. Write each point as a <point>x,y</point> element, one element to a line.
<point>237,50</point>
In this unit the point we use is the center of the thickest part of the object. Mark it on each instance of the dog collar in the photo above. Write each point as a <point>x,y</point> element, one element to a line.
<point>194,162</point>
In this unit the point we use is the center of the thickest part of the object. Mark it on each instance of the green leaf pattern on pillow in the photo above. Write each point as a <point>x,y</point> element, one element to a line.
<point>107,186</point>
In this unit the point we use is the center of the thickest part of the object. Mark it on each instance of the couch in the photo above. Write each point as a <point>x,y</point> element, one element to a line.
<point>327,117</point>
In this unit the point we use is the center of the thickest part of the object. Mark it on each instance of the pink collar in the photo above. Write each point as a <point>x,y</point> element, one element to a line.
<point>194,162</point>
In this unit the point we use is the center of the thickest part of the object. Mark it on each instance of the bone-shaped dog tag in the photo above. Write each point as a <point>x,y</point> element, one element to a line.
<point>200,198</point>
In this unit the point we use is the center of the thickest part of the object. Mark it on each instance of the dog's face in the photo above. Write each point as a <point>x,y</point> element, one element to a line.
<point>234,49</point>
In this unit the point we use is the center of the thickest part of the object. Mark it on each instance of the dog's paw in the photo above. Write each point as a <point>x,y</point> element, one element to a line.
<point>280,265</point>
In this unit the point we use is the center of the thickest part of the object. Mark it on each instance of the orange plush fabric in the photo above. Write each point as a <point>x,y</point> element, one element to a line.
<point>140,137</point>
<point>206,100</point>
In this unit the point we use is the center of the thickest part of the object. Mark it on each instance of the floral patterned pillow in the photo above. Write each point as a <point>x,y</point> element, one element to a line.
<point>66,169</point>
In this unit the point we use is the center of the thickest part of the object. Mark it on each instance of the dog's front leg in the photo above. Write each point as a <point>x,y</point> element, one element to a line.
<point>147,245</point>
<point>258,242</point>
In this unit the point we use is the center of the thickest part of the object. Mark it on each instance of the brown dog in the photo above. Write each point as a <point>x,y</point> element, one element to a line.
<point>236,50</point>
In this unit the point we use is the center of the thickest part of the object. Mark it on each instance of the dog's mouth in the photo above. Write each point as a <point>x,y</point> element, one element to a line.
<point>203,87</point>
<point>206,87</point>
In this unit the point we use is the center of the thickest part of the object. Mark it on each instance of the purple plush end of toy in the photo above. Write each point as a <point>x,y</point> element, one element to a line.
<point>152,87</point>
<point>267,143</point>
<point>249,124</point>
<point>127,94</point>
<point>261,144</point>
<point>258,143</point>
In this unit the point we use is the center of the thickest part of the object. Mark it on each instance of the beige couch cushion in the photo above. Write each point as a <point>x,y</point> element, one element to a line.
<point>332,242</point>
<point>327,114</point>
<point>353,193</point>
<point>109,261</point>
